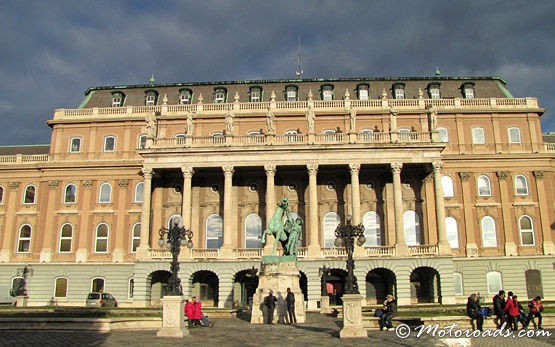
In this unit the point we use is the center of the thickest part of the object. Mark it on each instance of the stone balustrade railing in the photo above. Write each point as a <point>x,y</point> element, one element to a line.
<point>423,250</point>
<point>550,147</point>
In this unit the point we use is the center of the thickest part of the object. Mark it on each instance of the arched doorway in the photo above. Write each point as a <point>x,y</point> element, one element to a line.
<point>335,284</point>
<point>379,283</point>
<point>303,283</point>
<point>425,285</point>
<point>244,287</point>
<point>158,283</point>
<point>205,285</point>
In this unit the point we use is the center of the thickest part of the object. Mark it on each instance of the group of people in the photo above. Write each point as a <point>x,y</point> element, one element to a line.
<point>270,303</point>
<point>507,310</point>
<point>195,317</point>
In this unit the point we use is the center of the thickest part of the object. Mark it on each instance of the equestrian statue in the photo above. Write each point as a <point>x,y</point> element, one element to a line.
<point>288,232</point>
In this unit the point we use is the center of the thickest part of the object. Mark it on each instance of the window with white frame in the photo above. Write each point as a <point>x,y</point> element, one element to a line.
<point>214,231</point>
<point>219,95</point>
<point>468,90</point>
<point>253,231</point>
<point>66,238</point>
<point>97,284</point>
<point>447,185</point>
<point>1,195</point>
<point>478,136</point>
<point>327,92</point>
<point>109,143</point>
<point>255,94</point>
<point>101,238</point>
<point>150,98</point>
<point>60,287</point>
<point>142,141</point>
<point>484,186</point>
<point>291,93</point>
<point>17,285</point>
<point>411,223</point>
<point>514,135</point>
<point>493,279</point>
<point>372,229</point>
<point>135,237</point>
<point>105,193</point>
<point>117,99</point>
<point>526,231</point>
<point>330,222</point>
<point>433,90</point>
<point>139,192</point>
<point>70,196</point>
<point>521,185</point>
<point>489,233</point>
<point>452,231</point>
<point>24,239</point>
<point>131,288</point>
<point>30,194</point>
<point>443,134</point>
<point>185,97</point>
<point>363,92</point>
<point>399,91</point>
<point>75,145</point>
<point>458,283</point>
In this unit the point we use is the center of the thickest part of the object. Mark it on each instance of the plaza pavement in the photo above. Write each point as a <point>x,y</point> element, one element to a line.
<point>319,330</point>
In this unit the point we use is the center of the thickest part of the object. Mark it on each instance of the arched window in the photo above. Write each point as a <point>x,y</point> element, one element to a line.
<point>443,134</point>
<point>514,135</point>
<point>484,186</point>
<point>101,238</point>
<point>411,222</point>
<point>255,94</point>
<point>526,231</point>
<point>214,231</point>
<point>458,283</point>
<point>135,237</point>
<point>139,192</point>
<point>331,221</point>
<point>97,284</point>
<point>131,288</point>
<point>17,285</point>
<point>70,194</point>
<point>478,136</point>
<point>495,284</point>
<point>291,93</point>
<point>66,237</point>
<point>24,239</point>
<point>372,229</point>
<point>521,185</point>
<point>452,231</point>
<point>105,193</point>
<point>60,287</point>
<point>1,195</point>
<point>30,194</point>
<point>253,231</point>
<point>447,185</point>
<point>489,234</point>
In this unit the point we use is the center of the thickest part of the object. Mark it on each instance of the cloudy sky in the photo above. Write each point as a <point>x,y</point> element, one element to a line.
<point>52,51</point>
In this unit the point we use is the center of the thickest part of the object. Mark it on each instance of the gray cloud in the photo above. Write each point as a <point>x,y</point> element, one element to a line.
<point>52,52</point>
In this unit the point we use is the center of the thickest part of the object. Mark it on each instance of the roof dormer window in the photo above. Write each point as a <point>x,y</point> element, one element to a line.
<point>219,95</point>
<point>468,90</point>
<point>291,93</point>
<point>399,90</point>
<point>117,99</point>
<point>433,91</point>
<point>327,92</point>
<point>150,98</point>
<point>255,94</point>
<point>363,92</point>
<point>185,97</point>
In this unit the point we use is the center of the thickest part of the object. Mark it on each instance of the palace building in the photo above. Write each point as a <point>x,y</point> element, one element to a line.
<point>450,176</point>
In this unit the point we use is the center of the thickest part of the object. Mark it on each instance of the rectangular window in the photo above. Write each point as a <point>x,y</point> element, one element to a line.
<point>399,93</point>
<point>109,144</point>
<point>219,98</point>
<point>142,141</point>
<point>116,101</point>
<point>469,93</point>
<point>184,99</point>
<point>255,96</point>
<point>328,95</point>
<point>61,288</point>
<point>75,145</point>
<point>514,135</point>
<point>363,94</point>
<point>291,95</point>
<point>150,99</point>
<point>478,136</point>
<point>434,93</point>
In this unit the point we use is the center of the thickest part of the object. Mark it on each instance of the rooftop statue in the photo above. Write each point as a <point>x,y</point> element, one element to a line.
<point>288,232</point>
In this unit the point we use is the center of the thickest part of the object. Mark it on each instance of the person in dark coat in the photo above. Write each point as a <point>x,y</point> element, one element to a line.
<point>270,303</point>
<point>473,310</point>
<point>499,309</point>
<point>389,311</point>
<point>290,301</point>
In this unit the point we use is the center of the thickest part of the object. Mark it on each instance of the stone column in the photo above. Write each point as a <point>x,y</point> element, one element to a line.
<point>468,215</point>
<point>270,204</point>
<point>313,245</point>
<point>226,250</point>
<point>510,245</point>
<point>355,192</point>
<point>7,241</point>
<point>48,246</point>
<point>142,250</point>
<point>443,244</point>
<point>548,246</point>
<point>401,247</point>
<point>187,188</point>
<point>119,241</point>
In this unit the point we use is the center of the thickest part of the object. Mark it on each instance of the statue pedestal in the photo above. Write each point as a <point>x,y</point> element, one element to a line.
<point>277,274</point>
<point>173,317</point>
<point>21,300</point>
<point>325,305</point>
<point>352,317</point>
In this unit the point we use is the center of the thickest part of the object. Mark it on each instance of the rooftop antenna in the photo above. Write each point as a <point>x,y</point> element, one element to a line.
<point>299,72</point>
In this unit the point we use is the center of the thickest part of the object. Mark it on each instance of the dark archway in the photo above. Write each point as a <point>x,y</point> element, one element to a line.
<point>379,283</point>
<point>335,285</point>
<point>244,287</point>
<point>425,285</point>
<point>158,284</point>
<point>303,283</point>
<point>205,285</point>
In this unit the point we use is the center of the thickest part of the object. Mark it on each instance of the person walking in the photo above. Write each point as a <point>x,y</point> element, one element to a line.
<point>290,301</point>
<point>270,303</point>
<point>473,310</point>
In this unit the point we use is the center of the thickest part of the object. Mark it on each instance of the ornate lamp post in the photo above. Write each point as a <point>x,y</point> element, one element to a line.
<point>352,300</point>
<point>345,235</point>
<point>176,237</point>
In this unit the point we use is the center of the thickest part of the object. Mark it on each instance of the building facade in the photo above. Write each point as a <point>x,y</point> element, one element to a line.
<point>450,177</point>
